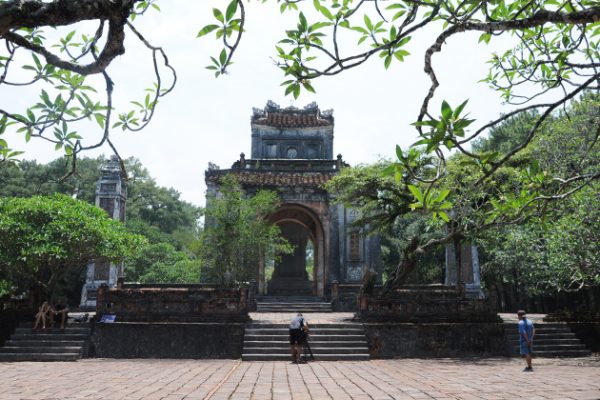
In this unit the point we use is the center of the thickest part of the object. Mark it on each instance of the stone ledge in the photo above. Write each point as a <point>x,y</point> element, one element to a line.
<point>394,340</point>
<point>167,340</point>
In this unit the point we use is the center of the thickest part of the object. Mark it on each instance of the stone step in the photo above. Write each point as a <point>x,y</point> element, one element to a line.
<point>558,347</point>
<point>327,338</point>
<point>68,330</point>
<point>37,349</point>
<point>290,299</point>
<point>334,325</point>
<point>551,340</point>
<point>541,342</point>
<point>67,325</point>
<point>313,331</point>
<point>316,350</point>
<point>334,341</point>
<point>45,343</point>
<point>320,357</point>
<point>569,335</point>
<point>12,357</point>
<point>291,309</point>
<point>563,353</point>
<point>313,343</point>
<point>48,336</point>
<point>55,344</point>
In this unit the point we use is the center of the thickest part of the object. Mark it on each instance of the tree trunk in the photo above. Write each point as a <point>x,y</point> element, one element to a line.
<point>408,264</point>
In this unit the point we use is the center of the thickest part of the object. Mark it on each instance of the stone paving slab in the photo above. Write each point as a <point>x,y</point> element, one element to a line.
<point>498,378</point>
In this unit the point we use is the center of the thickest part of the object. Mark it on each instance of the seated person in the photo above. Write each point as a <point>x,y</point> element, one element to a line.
<point>43,315</point>
<point>61,310</point>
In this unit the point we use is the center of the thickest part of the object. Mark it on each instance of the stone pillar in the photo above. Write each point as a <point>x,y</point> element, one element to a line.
<point>470,277</point>
<point>111,195</point>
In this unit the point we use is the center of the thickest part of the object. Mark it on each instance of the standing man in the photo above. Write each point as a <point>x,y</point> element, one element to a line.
<point>526,333</point>
<point>297,326</point>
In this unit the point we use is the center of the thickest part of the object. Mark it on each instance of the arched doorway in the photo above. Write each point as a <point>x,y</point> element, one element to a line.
<point>303,229</point>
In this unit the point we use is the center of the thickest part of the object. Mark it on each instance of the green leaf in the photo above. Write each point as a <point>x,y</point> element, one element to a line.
<point>231,10</point>
<point>303,22</point>
<point>368,23</point>
<point>416,192</point>
<point>387,62</point>
<point>459,109</point>
<point>443,216</point>
<point>218,15</point>
<point>100,120</point>
<point>442,196</point>
<point>223,57</point>
<point>399,153</point>
<point>446,111</point>
<point>207,29</point>
<point>485,37</point>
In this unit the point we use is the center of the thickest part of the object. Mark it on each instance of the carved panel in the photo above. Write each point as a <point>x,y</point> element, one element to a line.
<point>354,246</point>
<point>101,270</point>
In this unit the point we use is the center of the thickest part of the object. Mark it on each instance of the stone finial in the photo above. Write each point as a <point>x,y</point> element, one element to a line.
<point>339,162</point>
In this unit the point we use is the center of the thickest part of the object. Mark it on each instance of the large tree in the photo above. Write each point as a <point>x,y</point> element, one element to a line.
<point>43,238</point>
<point>529,238</point>
<point>153,211</point>
<point>237,235</point>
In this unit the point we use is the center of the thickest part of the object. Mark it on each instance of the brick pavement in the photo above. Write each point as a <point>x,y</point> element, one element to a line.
<point>500,378</point>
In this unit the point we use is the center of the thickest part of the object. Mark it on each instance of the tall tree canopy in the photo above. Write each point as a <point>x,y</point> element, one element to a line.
<point>43,238</point>
<point>170,225</point>
<point>528,234</point>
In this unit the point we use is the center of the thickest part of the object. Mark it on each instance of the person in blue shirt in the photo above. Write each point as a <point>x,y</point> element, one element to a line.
<point>526,333</point>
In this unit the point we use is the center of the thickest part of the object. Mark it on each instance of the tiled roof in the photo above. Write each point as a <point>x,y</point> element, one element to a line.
<point>292,117</point>
<point>270,178</point>
<point>292,120</point>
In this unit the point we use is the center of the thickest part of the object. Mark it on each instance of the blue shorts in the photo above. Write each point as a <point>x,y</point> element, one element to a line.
<point>525,349</point>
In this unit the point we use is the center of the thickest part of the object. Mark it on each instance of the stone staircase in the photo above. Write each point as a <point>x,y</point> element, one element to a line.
<point>51,345</point>
<point>292,304</point>
<point>551,340</point>
<point>328,341</point>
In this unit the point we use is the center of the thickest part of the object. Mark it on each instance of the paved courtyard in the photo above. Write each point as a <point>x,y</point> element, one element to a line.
<point>500,378</point>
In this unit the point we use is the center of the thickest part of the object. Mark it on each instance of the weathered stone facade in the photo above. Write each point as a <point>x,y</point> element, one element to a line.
<point>173,302</point>
<point>111,195</point>
<point>292,154</point>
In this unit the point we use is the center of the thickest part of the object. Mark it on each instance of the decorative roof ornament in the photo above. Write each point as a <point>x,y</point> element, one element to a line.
<point>274,115</point>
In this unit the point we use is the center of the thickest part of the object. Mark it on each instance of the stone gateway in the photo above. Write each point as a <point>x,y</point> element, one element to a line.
<point>292,154</point>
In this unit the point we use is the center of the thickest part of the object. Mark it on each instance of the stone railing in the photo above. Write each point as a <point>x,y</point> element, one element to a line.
<point>344,296</point>
<point>173,303</point>
<point>424,303</point>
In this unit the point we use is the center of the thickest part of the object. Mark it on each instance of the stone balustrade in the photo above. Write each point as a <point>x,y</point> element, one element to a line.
<point>424,303</point>
<point>173,303</point>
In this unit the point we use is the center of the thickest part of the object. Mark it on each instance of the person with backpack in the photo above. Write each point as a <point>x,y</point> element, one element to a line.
<point>298,327</point>
<point>526,333</point>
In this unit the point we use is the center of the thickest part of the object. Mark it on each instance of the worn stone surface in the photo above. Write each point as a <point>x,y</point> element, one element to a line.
<point>424,303</point>
<point>167,340</point>
<point>189,303</point>
<point>500,378</point>
<point>435,340</point>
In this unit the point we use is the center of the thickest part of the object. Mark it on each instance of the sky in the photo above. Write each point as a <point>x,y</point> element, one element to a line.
<point>207,119</point>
